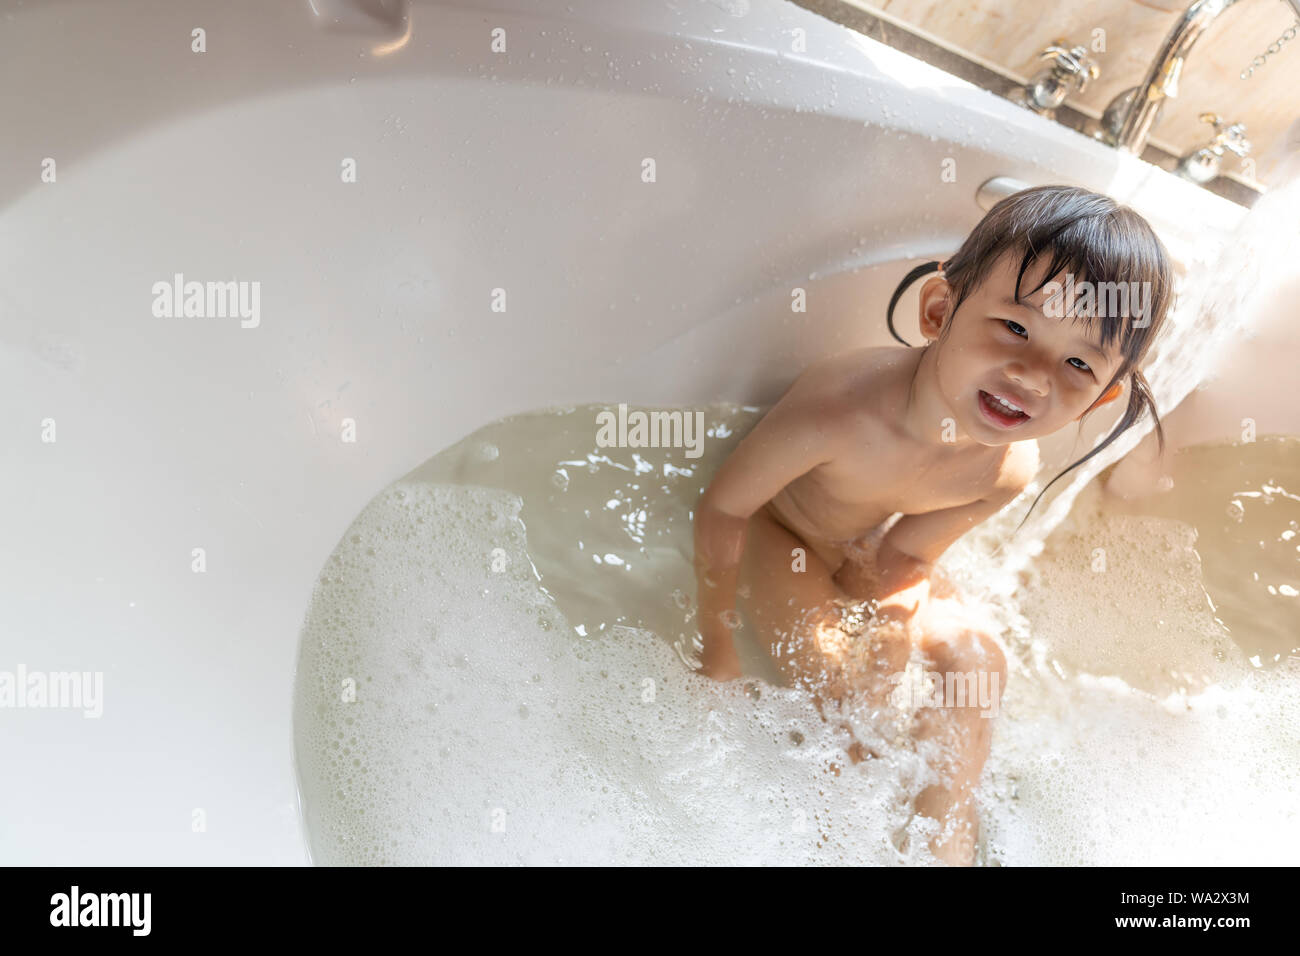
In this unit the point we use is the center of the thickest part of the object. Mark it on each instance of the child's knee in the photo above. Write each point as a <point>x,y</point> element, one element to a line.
<point>968,652</point>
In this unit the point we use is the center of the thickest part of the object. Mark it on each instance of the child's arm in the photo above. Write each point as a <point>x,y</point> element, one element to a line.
<point>907,554</point>
<point>883,573</point>
<point>794,437</point>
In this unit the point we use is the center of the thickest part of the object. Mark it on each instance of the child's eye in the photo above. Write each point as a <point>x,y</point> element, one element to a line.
<point>1017,329</point>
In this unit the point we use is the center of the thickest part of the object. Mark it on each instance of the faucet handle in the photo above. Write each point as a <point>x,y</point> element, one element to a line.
<point>1227,136</point>
<point>1073,63</point>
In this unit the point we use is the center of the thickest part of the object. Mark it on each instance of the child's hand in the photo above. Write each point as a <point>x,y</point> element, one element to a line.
<point>877,571</point>
<point>858,579</point>
<point>719,659</point>
<point>909,598</point>
<point>721,667</point>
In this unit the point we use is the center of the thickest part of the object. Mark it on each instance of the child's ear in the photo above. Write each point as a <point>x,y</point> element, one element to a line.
<point>1112,393</point>
<point>935,296</point>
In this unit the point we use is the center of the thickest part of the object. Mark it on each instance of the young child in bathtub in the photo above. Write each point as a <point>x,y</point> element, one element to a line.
<point>946,436</point>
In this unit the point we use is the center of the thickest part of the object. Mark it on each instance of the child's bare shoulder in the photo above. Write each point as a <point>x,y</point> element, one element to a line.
<point>846,374</point>
<point>833,391</point>
<point>860,387</point>
<point>845,397</point>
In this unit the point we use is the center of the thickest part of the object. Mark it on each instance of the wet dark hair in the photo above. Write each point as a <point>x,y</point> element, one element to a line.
<point>1089,235</point>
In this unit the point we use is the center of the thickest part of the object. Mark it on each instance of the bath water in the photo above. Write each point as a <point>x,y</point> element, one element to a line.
<point>494,670</point>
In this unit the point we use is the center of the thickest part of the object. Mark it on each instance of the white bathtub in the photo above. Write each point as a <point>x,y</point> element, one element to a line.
<point>476,171</point>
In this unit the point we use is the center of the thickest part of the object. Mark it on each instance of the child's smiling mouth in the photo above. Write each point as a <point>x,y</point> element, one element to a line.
<point>999,413</point>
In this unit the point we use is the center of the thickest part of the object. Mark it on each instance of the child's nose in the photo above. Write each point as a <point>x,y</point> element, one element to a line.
<point>1032,376</point>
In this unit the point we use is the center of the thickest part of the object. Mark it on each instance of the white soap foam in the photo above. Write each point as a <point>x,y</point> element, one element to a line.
<point>1134,731</point>
<point>1105,776</point>
<point>485,731</point>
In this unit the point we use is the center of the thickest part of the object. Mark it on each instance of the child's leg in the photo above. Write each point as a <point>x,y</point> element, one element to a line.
<point>960,730</point>
<point>799,616</point>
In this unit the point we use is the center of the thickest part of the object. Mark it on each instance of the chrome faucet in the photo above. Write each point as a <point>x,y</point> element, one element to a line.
<point>1128,119</point>
<point>1069,70</point>
<point>1203,164</point>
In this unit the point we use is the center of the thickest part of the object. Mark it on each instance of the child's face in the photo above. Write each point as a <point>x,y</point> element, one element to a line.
<point>1052,369</point>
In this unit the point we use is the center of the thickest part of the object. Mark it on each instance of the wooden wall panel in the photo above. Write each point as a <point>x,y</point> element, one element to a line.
<point>1011,33</point>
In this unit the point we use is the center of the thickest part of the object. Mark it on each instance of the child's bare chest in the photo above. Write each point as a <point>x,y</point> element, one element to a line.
<point>850,495</point>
